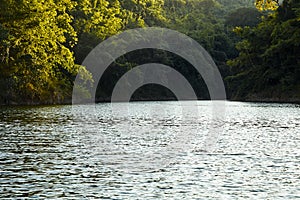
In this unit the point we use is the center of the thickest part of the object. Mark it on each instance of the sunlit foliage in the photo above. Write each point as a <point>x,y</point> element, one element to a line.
<point>267,4</point>
<point>43,43</point>
<point>37,48</point>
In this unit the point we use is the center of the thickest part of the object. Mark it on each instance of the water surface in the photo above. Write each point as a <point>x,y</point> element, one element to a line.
<point>50,152</point>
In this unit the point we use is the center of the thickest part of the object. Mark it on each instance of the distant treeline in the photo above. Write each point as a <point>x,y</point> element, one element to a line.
<point>255,44</point>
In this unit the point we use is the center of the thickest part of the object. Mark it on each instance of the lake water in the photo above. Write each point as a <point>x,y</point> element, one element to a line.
<point>54,152</point>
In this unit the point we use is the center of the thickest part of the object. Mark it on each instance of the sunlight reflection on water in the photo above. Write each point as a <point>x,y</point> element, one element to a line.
<point>46,153</point>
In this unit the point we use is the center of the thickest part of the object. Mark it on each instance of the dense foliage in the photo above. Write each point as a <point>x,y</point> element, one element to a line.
<point>43,43</point>
<point>268,65</point>
<point>36,63</point>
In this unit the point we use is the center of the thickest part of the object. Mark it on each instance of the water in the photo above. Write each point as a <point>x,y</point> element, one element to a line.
<point>50,152</point>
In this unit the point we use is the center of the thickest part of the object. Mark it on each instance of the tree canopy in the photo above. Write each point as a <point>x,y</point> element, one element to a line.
<point>43,43</point>
<point>35,50</point>
<point>268,62</point>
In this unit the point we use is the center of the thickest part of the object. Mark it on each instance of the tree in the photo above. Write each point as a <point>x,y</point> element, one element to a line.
<point>243,17</point>
<point>267,4</point>
<point>268,64</point>
<point>36,52</point>
<point>94,21</point>
<point>144,12</point>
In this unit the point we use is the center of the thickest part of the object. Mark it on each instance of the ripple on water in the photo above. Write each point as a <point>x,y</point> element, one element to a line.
<point>47,153</point>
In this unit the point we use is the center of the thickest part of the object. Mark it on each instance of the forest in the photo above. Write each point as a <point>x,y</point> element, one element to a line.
<point>255,44</point>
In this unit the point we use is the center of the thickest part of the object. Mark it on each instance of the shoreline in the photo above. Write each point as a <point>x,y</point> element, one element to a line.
<point>267,100</point>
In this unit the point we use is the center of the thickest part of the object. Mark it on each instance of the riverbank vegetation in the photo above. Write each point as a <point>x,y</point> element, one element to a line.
<point>255,44</point>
